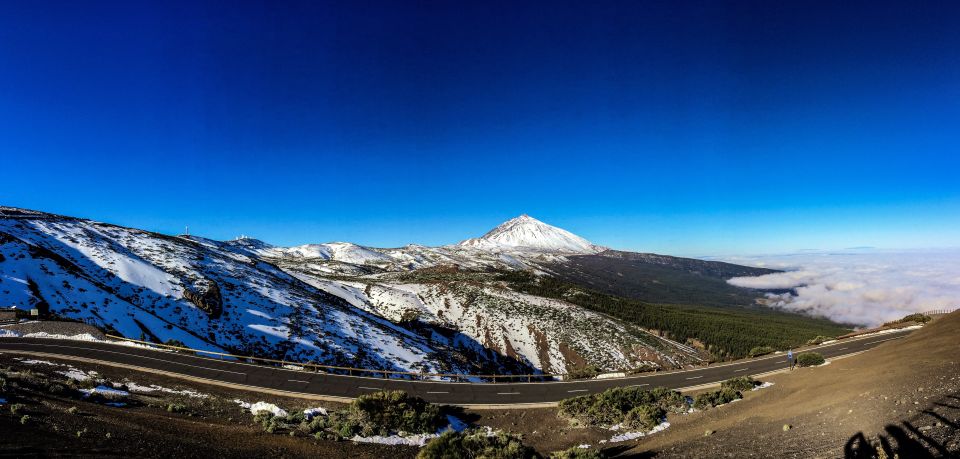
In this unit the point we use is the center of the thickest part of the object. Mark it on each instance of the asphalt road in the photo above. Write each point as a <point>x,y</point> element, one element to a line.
<point>454,393</point>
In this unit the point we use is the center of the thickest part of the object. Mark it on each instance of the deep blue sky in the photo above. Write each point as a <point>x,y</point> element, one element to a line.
<point>678,127</point>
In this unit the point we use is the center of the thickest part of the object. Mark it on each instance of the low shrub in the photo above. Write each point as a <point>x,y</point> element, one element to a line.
<point>810,359</point>
<point>476,443</point>
<point>760,350</point>
<point>612,406</point>
<point>918,317</point>
<point>25,419</point>
<point>381,413</point>
<point>176,408</point>
<point>577,453</point>
<point>644,417</point>
<point>587,372</point>
<point>16,408</point>
<point>717,397</point>
<point>739,384</point>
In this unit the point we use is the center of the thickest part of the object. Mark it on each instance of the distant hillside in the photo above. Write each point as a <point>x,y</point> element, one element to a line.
<point>659,278</point>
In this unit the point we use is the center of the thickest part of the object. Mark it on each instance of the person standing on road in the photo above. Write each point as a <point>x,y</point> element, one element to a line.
<point>790,359</point>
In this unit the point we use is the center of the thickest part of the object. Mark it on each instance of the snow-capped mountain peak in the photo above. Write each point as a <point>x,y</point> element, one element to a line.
<point>526,232</point>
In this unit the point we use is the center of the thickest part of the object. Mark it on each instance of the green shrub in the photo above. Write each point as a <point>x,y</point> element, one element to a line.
<point>381,413</point>
<point>918,317</point>
<point>587,372</point>
<point>644,417</point>
<point>577,453</point>
<point>476,444</point>
<point>717,397</point>
<point>73,410</point>
<point>810,359</point>
<point>739,384</point>
<point>176,408</point>
<point>612,406</point>
<point>760,350</point>
<point>16,408</point>
<point>25,419</point>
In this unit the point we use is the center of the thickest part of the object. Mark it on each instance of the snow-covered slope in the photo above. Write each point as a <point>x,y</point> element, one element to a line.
<point>527,233</point>
<point>207,294</point>
<point>409,308</point>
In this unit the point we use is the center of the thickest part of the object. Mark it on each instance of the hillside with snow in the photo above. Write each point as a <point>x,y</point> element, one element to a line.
<point>336,303</point>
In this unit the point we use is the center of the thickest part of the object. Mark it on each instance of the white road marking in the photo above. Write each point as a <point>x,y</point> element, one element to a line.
<point>842,348</point>
<point>437,392</point>
<point>695,377</point>
<point>370,388</point>
<point>578,390</point>
<point>299,381</point>
<point>508,393</point>
<point>742,369</point>
<point>639,385</point>
<point>888,339</point>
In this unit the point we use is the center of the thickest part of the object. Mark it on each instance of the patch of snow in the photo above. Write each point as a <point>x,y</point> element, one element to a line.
<point>269,407</point>
<point>134,387</point>
<point>455,425</point>
<point>583,446</point>
<point>104,390</point>
<point>310,413</point>
<point>78,375</point>
<point>634,435</point>
<point>762,386</point>
<point>410,440</point>
<point>610,375</point>
<point>36,362</point>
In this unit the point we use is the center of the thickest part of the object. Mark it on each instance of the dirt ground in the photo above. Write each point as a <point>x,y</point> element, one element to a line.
<point>211,427</point>
<point>901,397</point>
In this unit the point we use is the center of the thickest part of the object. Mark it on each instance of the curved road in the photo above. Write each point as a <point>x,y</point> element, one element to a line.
<point>341,387</point>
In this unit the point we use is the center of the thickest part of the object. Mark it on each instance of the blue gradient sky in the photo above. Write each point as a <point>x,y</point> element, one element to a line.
<point>677,127</point>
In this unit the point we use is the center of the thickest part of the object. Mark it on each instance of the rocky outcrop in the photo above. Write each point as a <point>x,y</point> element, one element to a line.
<point>207,299</point>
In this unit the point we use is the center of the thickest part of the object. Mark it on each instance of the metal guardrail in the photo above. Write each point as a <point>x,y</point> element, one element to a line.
<point>352,371</point>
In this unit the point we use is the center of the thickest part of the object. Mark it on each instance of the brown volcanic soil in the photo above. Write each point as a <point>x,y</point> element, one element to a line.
<point>902,397</point>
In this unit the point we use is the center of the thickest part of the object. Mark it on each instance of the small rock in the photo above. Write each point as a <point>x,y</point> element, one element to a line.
<point>925,428</point>
<point>787,427</point>
<point>938,425</point>
<point>850,411</point>
<point>708,433</point>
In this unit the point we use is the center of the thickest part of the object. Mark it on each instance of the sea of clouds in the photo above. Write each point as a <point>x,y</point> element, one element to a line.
<point>864,287</point>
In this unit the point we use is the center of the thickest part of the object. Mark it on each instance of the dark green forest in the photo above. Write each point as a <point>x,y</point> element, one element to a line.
<point>728,332</point>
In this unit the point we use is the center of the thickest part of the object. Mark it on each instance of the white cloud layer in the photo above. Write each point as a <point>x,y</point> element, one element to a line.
<point>865,287</point>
